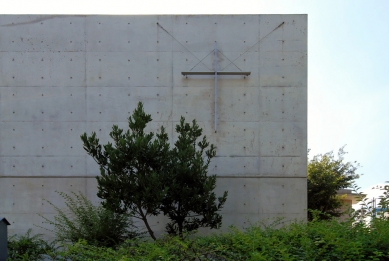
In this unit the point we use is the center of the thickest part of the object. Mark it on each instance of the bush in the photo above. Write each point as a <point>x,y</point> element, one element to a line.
<point>316,240</point>
<point>95,224</point>
<point>27,247</point>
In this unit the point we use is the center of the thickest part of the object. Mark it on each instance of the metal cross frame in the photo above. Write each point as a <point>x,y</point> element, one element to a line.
<point>216,73</point>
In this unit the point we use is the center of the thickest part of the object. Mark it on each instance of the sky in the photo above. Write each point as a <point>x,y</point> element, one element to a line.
<point>348,72</point>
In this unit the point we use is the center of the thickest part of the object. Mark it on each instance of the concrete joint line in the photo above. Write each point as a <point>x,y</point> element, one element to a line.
<point>261,177</point>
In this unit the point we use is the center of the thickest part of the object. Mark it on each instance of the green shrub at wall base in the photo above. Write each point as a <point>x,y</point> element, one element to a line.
<point>95,224</point>
<point>353,240</point>
<point>27,247</point>
<point>318,240</point>
<point>329,240</point>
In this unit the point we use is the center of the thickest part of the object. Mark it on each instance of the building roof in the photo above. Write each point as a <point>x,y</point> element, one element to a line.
<point>349,194</point>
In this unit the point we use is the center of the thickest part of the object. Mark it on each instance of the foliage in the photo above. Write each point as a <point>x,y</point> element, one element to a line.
<point>316,240</point>
<point>190,202</point>
<point>142,176</point>
<point>369,209</point>
<point>281,240</point>
<point>97,225</point>
<point>326,175</point>
<point>27,247</point>
<point>130,168</point>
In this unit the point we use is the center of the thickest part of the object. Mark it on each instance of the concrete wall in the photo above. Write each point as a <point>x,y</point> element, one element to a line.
<point>61,76</point>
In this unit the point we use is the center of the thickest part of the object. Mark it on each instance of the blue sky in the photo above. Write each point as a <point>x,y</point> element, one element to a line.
<point>348,56</point>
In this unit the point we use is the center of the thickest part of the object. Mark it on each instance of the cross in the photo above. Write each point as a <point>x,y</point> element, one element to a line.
<point>216,73</point>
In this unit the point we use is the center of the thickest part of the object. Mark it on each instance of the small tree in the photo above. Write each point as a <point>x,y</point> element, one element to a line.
<point>190,202</point>
<point>141,175</point>
<point>131,167</point>
<point>326,175</point>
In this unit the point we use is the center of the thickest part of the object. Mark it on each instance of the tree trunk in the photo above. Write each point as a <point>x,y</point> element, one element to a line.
<point>180,221</point>
<point>180,230</point>
<point>146,223</point>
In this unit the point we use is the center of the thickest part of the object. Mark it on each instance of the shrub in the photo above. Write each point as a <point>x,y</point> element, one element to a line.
<point>27,247</point>
<point>316,240</point>
<point>95,224</point>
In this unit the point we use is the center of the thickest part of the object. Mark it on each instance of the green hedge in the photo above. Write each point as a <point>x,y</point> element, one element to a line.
<point>317,240</point>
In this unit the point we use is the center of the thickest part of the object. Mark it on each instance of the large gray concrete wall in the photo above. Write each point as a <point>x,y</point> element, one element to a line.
<point>61,76</point>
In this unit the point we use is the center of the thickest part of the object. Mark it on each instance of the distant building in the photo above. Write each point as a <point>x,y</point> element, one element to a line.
<point>348,199</point>
<point>373,196</point>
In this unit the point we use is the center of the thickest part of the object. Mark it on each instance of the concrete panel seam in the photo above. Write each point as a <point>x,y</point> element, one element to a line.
<point>45,177</point>
<point>217,176</point>
<point>253,176</point>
